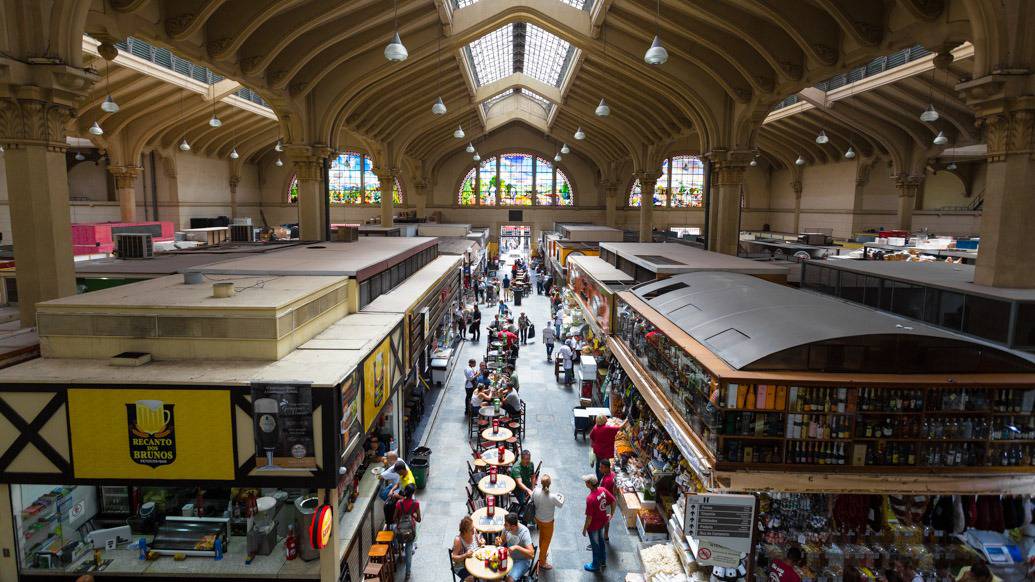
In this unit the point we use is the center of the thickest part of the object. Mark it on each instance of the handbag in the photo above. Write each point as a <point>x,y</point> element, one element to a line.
<point>531,330</point>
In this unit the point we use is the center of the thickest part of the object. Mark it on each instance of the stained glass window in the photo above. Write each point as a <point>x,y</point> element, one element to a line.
<point>565,195</point>
<point>687,182</point>
<point>516,179</point>
<point>293,190</point>
<point>346,179</point>
<point>469,189</point>
<point>488,182</point>
<point>545,194</point>
<point>681,184</point>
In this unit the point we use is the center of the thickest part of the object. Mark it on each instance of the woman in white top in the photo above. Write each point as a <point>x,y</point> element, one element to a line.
<point>464,546</point>
<point>545,503</point>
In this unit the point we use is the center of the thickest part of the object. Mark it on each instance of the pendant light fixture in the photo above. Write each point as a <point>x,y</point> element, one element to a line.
<point>79,156</point>
<point>951,166</point>
<point>476,157</point>
<point>557,157</point>
<point>109,105</point>
<point>233,154</point>
<point>850,154</point>
<point>184,146</point>
<point>579,134</point>
<point>470,148</point>
<point>459,133</point>
<point>395,51</point>
<point>278,147</point>
<point>930,114</point>
<point>822,137</point>
<point>800,161</point>
<point>439,108</point>
<point>656,54</point>
<point>278,163</point>
<point>215,121</point>
<point>602,109</point>
<point>95,129</point>
<point>753,162</point>
<point>940,139</point>
<point>565,149</point>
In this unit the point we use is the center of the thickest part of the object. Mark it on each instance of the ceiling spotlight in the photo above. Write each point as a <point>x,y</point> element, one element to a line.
<point>754,162</point>
<point>184,146</point>
<point>579,134</point>
<point>930,114</point>
<point>233,154</point>
<point>79,156</point>
<point>476,157</point>
<point>439,108</point>
<point>940,139</point>
<point>395,51</point>
<point>557,158</point>
<point>459,133</point>
<point>95,129</point>
<point>951,166</point>
<point>850,154</point>
<point>279,147</point>
<point>278,163</point>
<point>110,105</point>
<point>800,161</point>
<point>822,137</point>
<point>656,54</point>
<point>565,149</point>
<point>603,110</point>
<point>470,148</point>
<point>214,122</point>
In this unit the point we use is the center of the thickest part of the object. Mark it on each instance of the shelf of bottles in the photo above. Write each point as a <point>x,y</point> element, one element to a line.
<point>932,426</point>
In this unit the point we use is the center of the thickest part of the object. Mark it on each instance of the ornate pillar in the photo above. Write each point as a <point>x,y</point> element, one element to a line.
<point>648,181</point>
<point>125,190</point>
<point>420,204</point>
<point>308,165</point>
<point>611,202</point>
<point>234,182</point>
<point>727,178</point>
<point>908,189</point>
<point>36,104</point>
<point>797,186</point>
<point>387,177</point>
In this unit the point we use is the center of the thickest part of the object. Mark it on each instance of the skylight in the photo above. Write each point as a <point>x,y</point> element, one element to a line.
<point>520,48</point>
<point>537,98</point>
<point>545,103</point>
<point>577,4</point>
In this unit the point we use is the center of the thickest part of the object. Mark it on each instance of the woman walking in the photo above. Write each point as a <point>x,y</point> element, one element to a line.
<point>407,516</point>
<point>546,502</point>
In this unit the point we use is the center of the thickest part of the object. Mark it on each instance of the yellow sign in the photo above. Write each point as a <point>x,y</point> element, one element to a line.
<point>151,433</point>
<point>377,382</point>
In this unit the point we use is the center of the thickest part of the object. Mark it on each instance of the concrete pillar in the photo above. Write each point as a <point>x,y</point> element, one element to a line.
<point>32,130</point>
<point>420,204</point>
<point>308,165</point>
<point>387,178</point>
<point>611,202</point>
<point>908,188</point>
<point>726,184</point>
<point>797,186</point>
<point>330,566</point>
<point>648,181</point>
<point>126,191</point>
<point>234,182</point>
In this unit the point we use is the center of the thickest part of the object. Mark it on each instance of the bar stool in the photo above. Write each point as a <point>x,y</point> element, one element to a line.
<point>375,571</point>
<point>514,444</point>
<point>387,536</point>
<point>382,554</point>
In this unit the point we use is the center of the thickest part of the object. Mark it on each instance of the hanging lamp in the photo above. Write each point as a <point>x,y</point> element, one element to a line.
<point>557,157</point>
<point>753,162</point>
<point>822,137</point>
<point>109,105</point>
<point>439,108</point>
<point>395,51</point>
<point>800,161</point>
<point>850,154</point>
<point>278,163</point>
<point>470,148</point>
<point>476,157</point>
<point>940,139</point>
<point>459,133</point>
<point>579,134</point>
<point>215,121</point>
<point>278,147</point>
<point>565,149</point>
<point>930,114</point>
<point>79,156</point>
<point>95,129</point>
<point>951,166</point>
<point>184,146</point>
<point>233,154</point>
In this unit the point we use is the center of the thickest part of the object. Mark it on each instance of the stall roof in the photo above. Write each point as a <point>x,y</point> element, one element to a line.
<point>324,363</point>
<point>591,232</point>
<point>454,245</point>
<point>675,258</point>
<point>602,271</point>
<point>745,320</point>
<point>411,291</point>
<point>361,259</point>
<point>952,277</point>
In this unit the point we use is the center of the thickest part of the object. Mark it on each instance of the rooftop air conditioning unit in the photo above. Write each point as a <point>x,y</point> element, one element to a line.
<point>242,233</point>
<point>134,246</point>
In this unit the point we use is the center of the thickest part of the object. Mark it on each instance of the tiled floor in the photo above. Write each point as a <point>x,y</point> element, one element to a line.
<point>549,437</point>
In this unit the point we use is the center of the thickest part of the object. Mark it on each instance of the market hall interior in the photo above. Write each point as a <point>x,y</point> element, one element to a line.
<point>313,187</point>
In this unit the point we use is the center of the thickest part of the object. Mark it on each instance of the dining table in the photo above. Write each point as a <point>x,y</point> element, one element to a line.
<point>504,485</point>
<point>488,525</point>
<point>491,456</point>
<point>501,435</point>
<point>477,569</point>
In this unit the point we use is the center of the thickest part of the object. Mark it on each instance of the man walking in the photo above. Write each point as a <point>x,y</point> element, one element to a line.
<point>598,502</point>
<point>470,373</point>
<point>549,337</point>
<point>523,324</point>
<point>567,357</point>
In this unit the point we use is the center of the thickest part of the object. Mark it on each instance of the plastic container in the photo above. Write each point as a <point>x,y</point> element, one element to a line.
<point>420,467</point>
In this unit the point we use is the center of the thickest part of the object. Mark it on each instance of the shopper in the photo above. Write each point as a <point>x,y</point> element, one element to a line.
<point>549,337</point>
<point>785,571</point>
<point>597,504</point>
<point>461,322</point>
<point>546,502</point>
<point>397,478</point>
<point>506,287</point>
<point>407,510</point>
<point>523,323</point>
<point>470,373</point>
<point>558,321</point>
<point>502,307</point>
<point>567,361</point>
<point>476,324</point>
<point>538,287</point>
<point>602,440</point>
<point>519,541</point>
<point>607,481</point>
<point>464,546</point>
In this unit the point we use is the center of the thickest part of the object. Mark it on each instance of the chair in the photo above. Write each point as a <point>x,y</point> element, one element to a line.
<point>452,569</point>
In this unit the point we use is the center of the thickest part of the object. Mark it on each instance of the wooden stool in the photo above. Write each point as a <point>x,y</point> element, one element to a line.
<point>374,571</point>
<point>382,554</point>
<point>387,536</point>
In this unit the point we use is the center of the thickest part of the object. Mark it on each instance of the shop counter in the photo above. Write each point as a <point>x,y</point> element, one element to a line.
<point>350,521</point>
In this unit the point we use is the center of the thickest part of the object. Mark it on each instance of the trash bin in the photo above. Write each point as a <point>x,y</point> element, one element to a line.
<point>517,297</point>
<point>305,507</point>
<point>420,467</point>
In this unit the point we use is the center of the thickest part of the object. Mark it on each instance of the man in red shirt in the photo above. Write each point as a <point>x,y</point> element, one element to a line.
<point>781,571</point>
<point>602,439</point>
<point>607,481</point>
<point>598,502</point>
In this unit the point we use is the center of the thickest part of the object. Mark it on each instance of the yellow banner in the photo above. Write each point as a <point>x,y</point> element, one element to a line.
<point>151,433</point>
<point>377,382</point>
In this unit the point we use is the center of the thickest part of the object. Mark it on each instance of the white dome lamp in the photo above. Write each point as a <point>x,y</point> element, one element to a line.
<point>850,154</point>
<point>395,51</point>
<point>79,157</point>
<point>951,166</point>
<point>940,139</point>
<point>459,133</point>
<point>822,137</point>
<point>278,163</point>
<point>109,105</point>
<point>557,157</point>
<point>184,146</point>
<point>602,110</point>
<point>565,149</point>
<point>476,157</point>
<point>754,162</point>
<point>579,134</point>
<point>279,147</point>
<point>930,114</point>
<point>800,161</point>
<point>95,129</point>
<point>439,108</point>
<point>215,121</point>
<point>656,54</point>
<point>233,154</point>
<point>470,148</point>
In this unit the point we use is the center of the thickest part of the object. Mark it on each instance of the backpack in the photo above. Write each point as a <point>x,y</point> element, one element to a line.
<point>406,528</point>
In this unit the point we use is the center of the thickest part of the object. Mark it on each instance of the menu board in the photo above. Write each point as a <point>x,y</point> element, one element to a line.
<point>719,527</point>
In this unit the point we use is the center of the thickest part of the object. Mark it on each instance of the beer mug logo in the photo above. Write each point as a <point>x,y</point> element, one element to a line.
<point>152,439</point>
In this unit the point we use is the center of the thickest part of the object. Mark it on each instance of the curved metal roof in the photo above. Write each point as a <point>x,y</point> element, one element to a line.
<point>745,320</point>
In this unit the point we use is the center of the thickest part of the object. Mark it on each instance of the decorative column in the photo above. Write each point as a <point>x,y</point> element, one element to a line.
<point>908,189</point>
<point>125,190</point>
<point>33,118</point>
<point>387,176</point>
<point>234,182</point>
<point>308,165</point>
<point>797,186</point>
<point>421,203</point>
<point>611,202</point>
<point>648,181</point>
<point>727,179</point>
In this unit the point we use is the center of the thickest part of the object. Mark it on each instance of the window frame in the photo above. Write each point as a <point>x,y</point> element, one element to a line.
<point>667,175</point>
<point>364,199</point>
<point>539,196</point>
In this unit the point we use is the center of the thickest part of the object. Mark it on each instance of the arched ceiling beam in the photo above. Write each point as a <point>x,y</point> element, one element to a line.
<point>232,23</point>
<point>816,33</point>
<point>183,18</point>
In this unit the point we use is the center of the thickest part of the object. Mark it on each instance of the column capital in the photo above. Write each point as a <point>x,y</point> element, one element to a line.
<point>387,173</point>
<point>797,186</point>
<point>908,186</point>
<point>730,156</point>
<point>34,122</point>
<point>307,160</point>
<point>1004,111</point>
<point>125,176</point>
<point>234,182</point>
<point>729,173</point>
<point>647,177</point>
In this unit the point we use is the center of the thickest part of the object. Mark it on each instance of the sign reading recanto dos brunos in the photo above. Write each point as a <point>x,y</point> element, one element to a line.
<point>150,433</point>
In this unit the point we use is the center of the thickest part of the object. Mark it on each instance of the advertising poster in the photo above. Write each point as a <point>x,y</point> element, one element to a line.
<point>351,403</point>
<point>151,433</point>
<point>283,421</point>
<point>377,382</point>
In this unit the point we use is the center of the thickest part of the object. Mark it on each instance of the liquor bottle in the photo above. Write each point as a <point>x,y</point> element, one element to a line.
<point>290,544</point>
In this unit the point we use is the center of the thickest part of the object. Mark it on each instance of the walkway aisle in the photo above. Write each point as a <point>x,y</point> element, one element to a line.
<point>549,437</point>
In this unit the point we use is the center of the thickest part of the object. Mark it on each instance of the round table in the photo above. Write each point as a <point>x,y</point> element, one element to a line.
<point>490,412</point>
<point>499,437</point>
<point>505,484</point>
<point>491,457</point>
<point>483,524</point>
<point>477,569</point>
